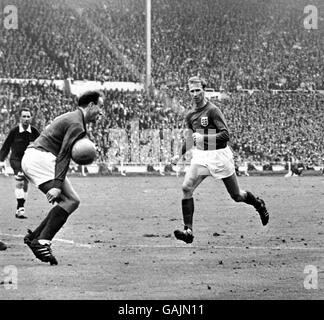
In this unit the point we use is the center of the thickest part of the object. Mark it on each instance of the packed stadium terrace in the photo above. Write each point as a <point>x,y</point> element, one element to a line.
<point>254,45</point>
<point>265,126</point>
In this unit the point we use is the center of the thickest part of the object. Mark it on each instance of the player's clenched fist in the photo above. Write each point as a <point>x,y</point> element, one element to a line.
<point>197,138</point>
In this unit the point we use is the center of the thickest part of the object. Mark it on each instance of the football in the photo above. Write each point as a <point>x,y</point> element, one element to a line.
<point>83,151</point>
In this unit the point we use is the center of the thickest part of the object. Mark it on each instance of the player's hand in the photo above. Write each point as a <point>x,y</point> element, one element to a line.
<point>198,138</point>
<point>53,194</point>
<point>175,159</point>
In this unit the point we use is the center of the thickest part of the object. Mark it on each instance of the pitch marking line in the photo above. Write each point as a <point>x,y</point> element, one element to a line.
<point>226,247</point>
<point>182,246</point>
<point>57,239</point>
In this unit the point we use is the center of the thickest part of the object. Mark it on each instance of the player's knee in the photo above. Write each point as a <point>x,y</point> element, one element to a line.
<point>75,202</point>
<point>19,184</point>
<point>70,203</point>
<point>187,189</point>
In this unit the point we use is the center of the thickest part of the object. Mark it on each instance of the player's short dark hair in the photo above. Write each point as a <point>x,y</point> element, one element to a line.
<point>24,109</point>
<point>198,79</point>
<point>89,96</point>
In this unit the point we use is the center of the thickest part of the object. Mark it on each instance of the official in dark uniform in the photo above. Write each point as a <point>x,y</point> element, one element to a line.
<point>17,141</point>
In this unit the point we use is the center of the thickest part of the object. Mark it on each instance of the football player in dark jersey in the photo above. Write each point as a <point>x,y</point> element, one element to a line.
<point>46,162</point>
<point>207,137</point>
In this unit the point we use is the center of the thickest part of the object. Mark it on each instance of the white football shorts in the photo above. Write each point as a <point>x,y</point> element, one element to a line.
<point>219,163</point>
<point>38,166</point>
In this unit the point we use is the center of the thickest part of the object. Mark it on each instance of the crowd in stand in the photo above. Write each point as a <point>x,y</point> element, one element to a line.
<point>255,45</point>
<point>54,41</point>
<point>258,45</point>
<point>264,126</point>
<point>280,126</point>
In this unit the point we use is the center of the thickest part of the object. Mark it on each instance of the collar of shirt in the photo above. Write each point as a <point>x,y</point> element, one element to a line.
<point>204,104</point>
<point>21,128</point>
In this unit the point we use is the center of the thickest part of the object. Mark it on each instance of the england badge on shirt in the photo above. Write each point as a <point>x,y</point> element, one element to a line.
<point>204,121</point>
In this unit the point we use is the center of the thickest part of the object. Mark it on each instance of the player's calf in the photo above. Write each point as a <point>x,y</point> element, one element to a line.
<point>187,214</point>
<point>29,237</point>
<point>238,197</point>
<point>259,205</point>
<point>20,196</point>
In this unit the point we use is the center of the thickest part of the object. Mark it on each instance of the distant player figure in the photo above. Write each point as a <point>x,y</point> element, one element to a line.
<point>208,135</point>
<point>295,168</point>
<point>17,141</point>
<point>45,164</point>
<point>3,246</point>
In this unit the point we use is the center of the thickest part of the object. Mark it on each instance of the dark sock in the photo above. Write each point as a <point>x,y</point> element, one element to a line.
<point>250,199</point>
<point>56,219</point>
<point>20,203</point>
<point>187,212</point>
<point>38,230</point>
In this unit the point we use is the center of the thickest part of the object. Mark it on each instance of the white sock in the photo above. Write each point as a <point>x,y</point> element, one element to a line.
<point>19,193</point>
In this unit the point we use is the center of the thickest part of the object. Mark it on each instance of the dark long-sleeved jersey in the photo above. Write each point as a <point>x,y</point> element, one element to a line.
<point>17,141</point>
<point>210,122</point>
<point>58,138</point>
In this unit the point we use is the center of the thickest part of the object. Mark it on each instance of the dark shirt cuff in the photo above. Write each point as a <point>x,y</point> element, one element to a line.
<point>57,184</point>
